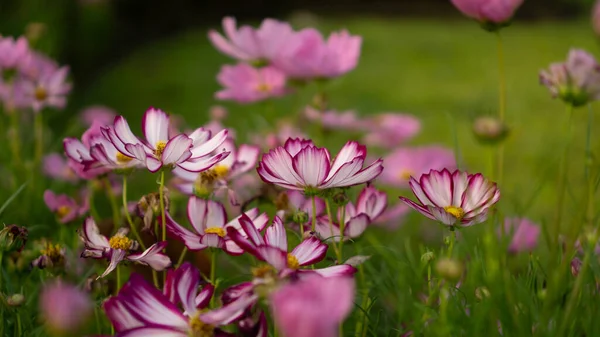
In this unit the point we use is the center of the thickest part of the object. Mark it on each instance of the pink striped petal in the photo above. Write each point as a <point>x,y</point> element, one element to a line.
<point>460,182</point>
<point>294,145</point>
<point>123,131</point>
<point>177,150</point>
<point>155,125</point>
<point>213,240</point>
<point>189,239</point>
<point>91,237</point>
<point>442,216</point>
<point>356,226</point>
<point>116,256</point>
<point>202,300</point>
<point>153,164</point>
<point>348,153</point>
<point>419,208</point>
<point>276,236</point>
<point>187,281</point>
<point>312,165</point>
<point>251,231</point>
<point>273,256</point>
<point>202,163</point>
<point>153,257</point>
<point>197,212</point>
<point>334,271</point>
<point>118,315</point>
<point>153,331</point>
<point>230,312</point>
<point>310,251</point>
<point>203,149</point>
<point>418,191</point>
<point>278,164</point>
<point>438,187</point>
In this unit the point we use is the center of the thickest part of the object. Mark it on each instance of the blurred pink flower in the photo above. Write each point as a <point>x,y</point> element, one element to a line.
<point>390,130</point>
<point>315,306</point>
<point>98,113</point>
<point>524,234</point>
<point>330,119</point>
<point>49,90</point>
<point>250,44</point>
<point>307,55</point>
<point>393,216</point>
<point>64,307</point>
<point>408,162</point>
<point>245,84</point>
<point>57,167</point>
<point>65,207</point>
<point>13,52</point>
<point>495,11</point>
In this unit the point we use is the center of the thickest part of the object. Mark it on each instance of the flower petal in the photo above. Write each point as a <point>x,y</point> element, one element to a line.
<point>152,331</point>
<point>202,300</point>
<point>310,251</point>
<point>333,271</point>
<point>119,316</point>
<point>276,236</point>
<point>419,208</point>
<point>116,256</point>
<point>357,225</point>
<point>91,237</point>
<point>189,239</point>
<point>273,256</point>
<point>312,165</point>
<point>230,312</point>
<point>153,257</point>
<point>177,150</point>
<point>155,125</point>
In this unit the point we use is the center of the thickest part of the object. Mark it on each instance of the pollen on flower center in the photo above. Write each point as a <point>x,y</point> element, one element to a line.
<point>199,328</point>
<point>220,170</point>
<point>122,159</point>
<point>263,271</point>
<point>40,93</point>
<point>52,251</point>
<point>159,148</point>
<point>263,87</point>
<point>457,212</point>
<point>215,230</point>
<point>120,242</point>
<point>62,211</point>
<point>292,262</point>
<point>405,174</point>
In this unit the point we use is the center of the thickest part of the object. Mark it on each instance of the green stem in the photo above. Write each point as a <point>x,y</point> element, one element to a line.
<point>19,327</point>
<point>213,264</point>
<point>161,193</point>
<point>588,163</point>
<point>93,211</point>
<point>451,244</point>
<point>342,222</point>
<point>337,253</point>
<point>501,105</point>
<point>562,177</point>
<point>38,127</point>
<point>128,216</point>
<point>181,257</point>
<point>113,202</point>
<point>118,280</point>
<point>314,214</point>
<point>14,138</point>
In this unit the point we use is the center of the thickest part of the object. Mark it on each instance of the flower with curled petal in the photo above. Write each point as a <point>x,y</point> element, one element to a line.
<point>455,199</point>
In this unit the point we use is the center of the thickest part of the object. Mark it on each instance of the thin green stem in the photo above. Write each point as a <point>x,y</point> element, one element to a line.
<point>113,202</point>
<point>501,105</point>
<point>161,193</point>
<point>118,279</point>
<point>181,257</point>
<point>14,138</point>
<point>128,216</point>
<point>562,177</point>
<point>451,244</point>
<point>213,264</point>
<point>38,127</point>
<point>155,278</point>
<point>342,223</point>
<point>19,325</point>
<point>429,285</point>
<point>314,214</point>
<point>328,208</point>
<point>588,163</point>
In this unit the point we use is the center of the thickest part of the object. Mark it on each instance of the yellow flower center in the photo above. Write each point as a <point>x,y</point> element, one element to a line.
<point>199,328</point>
<point>457,212</point>
<point>62,211</point>
<point>40,93</point>
<point>120,242</point>
<point>203,186</point>
<point>53,252</point>
<point>263,87</point>
<point>215,230</point>
<point>263,271</point>
<point>405,174</point>
<point>122,159</point>
<point>292,262</point>
<point>160,147</point>
<point>220,170</point>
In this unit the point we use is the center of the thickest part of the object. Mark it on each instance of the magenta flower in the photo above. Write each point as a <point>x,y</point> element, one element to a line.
<point>300,165</point>
<point>330,119</point>
<point>244,84</point>
<point>273,249</point>
<point>64,308</point>
<point>13,52</point>
<point>98,113</point>
<point>454,199</point>
<point>142,310</point>
<point>494,11</point>
<point>524,234</point>
<point>307,55</point>
<point>576,81</point>
<point>249,44</point>
<point>55,166</point>
<point>119,247</point>
<point>48,90</point>
<point>209,220</point>
<point>391,130</point>
<point>407,162</point>
<point>65,207</point>
<point>314,306</point>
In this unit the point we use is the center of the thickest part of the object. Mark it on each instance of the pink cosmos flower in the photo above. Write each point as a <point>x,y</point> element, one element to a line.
<point>390,130</point>
<point>495,11</point>
<point>142,310</point>
<point>119,247</point>
<point>209,220</point>
<point>576,81</point>
<point>344,120</point>
<point>307,55</point>
<point>524,234</point>
<point>407,162</point>
<point>300,165</point>
<point>245,84</point>
<point>98,113</point>
<point>13,52</point>
<point>314,306</point>
<point>65,207</point>
<point>48,90</point>
<point>273,249</point>
<point>57,167</point>
<point>220,176</point>
<point>83,158</point>
<point>64,308</point>
<point>249,44</point>
<point>454,199</point>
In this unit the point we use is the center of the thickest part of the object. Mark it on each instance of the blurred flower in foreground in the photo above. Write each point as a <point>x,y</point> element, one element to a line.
<point>454,199</point>
<point>99,114</point>
<point>524,234</point>
<point>313,307</point>
<point>300,165</point>
<point>576,81</point>
<point>64,308</point>
<point>407,162</point>
<point>495,12</point>
<point>65,207</point>
<point>245,84</point>
<point>389,130</point>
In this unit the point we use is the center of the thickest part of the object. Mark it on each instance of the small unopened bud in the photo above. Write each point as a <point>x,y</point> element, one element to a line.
<point>427,257</point>
<point>542,294</point>
<point>482,293</point>
<point>15,300</point>
<point>340,199</point>
<point>13,238</point>
<point>449,269</point>
<point>575,266</point>
<point>300,217</point>
<point>489,130</point>
<point>447,240</point>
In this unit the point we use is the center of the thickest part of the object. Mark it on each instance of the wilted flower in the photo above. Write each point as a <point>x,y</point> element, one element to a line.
<point>524,234</point>
<point>51,255</point>
<point>119,247</point>
<point>390,130</point>
<point>494,12</point>
<point>315,306</point>
<point>149,206</point>
<point>300,165</point>
<point>575,266</point>
<point>454,199</point>
<point>65,207</point>
<point>64,308</point>
<point>245,84</point>
<point>576,81</point>
<point>407,162</point>
<point>13,238</point>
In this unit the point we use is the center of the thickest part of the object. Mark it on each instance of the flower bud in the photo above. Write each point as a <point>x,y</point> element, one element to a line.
<point>449,269</point>
<point>542,294</point>
<point>15,300</point>
<point>575,266</point>
<point>300,217</point>
<point>482,293</point>
<point>489,130</point>
<point>13,238</point>
<point>149,206</point>
<point>427,257</point>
